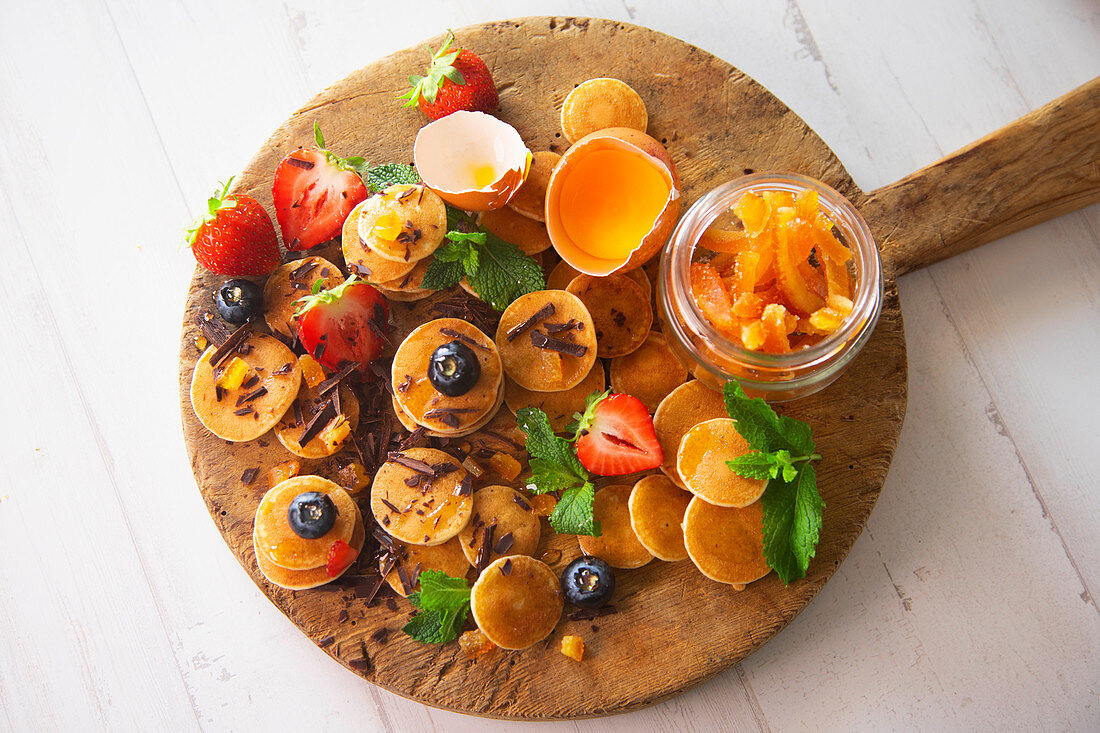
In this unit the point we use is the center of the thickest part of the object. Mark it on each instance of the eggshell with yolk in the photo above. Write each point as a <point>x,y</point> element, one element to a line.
<point>618,139</point>
<point>454,153</point>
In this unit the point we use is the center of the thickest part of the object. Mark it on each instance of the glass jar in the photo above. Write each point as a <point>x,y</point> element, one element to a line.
<point>715,359</point>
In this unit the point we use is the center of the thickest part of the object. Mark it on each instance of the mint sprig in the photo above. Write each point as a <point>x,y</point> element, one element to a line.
<point>497,271</point>
<point>555,467</point>
<point>443,602</point>
<point>784,452</point>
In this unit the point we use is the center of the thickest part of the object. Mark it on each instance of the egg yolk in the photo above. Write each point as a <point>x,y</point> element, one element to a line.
<point>610,200</point>
<point>483,175</point>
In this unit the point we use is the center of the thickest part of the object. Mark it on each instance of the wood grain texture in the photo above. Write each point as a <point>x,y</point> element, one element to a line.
<point>1041,166</point>
<point>703,117</point>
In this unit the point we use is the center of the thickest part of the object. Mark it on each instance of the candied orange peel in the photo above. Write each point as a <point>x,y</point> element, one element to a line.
<point>779,278</point>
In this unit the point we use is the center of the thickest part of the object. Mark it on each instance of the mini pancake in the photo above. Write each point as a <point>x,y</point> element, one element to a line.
<point>274,538</point>
<point>558,406</point>
<point>563,274</point>
<point>657,509</point>
<point>620,309</point>
<point>527,234</point>
<point>617,543</point>
<point>726,543</point>
<point>426,513</point>
<point>685,407</point>
<point>407,421</point>
<point>217,408</point>
<point>530,199</point>
<point>649,373</point>
<point>306,405</point>
<point>701,463</point>
<point>539,369</point>
<point>600,103</point>
<point>516,602</point>
<point>290,282</point>
<point>314,577</point>
<point>362,259</point>
<point>415,559</point>
<point>496,506</point>
<point>407,287</point>
<point>418,218</point>
<point>414,392</point>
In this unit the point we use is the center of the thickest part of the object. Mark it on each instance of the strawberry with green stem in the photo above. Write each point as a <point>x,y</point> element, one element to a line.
<point>234,236</point>
<point>314,191</point>
<point>457,79</point>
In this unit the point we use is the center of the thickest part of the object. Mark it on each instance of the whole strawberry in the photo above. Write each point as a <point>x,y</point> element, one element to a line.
<point>456,80</point>
<point>235,236</point>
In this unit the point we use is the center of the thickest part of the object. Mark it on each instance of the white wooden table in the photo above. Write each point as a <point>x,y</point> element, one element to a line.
<point>968,602</point>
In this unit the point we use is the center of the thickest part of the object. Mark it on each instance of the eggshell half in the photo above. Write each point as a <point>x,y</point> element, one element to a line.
<point>447,153</point>
<point>622,138</point>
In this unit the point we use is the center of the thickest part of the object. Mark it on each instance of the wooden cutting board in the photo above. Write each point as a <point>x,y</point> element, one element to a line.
<point>674,628</point>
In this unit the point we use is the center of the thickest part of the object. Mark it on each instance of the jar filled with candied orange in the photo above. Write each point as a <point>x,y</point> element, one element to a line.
<point>773,279</point>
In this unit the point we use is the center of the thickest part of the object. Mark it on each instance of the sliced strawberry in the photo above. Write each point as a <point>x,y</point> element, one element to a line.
<point>615,437</point>
<point>314,191</point>
<point>345,324</point>
<point>340,557</point>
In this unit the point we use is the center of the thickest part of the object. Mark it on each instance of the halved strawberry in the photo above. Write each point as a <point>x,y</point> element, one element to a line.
<point>340,557</point>
<point>345,324</point>
<point>615,436</point>
<point>314,191</point>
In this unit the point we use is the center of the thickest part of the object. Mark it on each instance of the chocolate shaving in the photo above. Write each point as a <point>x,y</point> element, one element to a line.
<point>540,315</point>
<point>585,614</point>
<point>361,270</point>
<point>462,337</point>
<point>391,507</point>
<point>391,604</point>
<point>317,423</point>
<point>486,545</point>
<point>405,384</point>
<point>320,348</point>
<point>250,382</point>
<point>252,395</point>
<point>299,286</point>
<point>380,635</point>
<point>302,270</point>
<point>519,500</point>
<point>243,411</point>
<point>249,475</point>
<point>506,567</point>
<point>231,343</point>
<point>406,194</point>
<point>284,369</point>
<point>413,438</point>
<point>335,379</point>
<point>360,664</point>
<point>502,438</point>
<point>326,641</point>
<point>439,412</point>
<point>466,486</point>
<point>342,617</point>
<point>212,330</point>
<point>443,468</point>
<point>403,576</point>
<point>541,341</point>
<point>218,393</point>
<point>299,163</point>
<point>504,544</point>
<point>410,463</point>
<point>413,481</point>
<point>554,328</point>
<point>335,397</point>
<point>299,419</point>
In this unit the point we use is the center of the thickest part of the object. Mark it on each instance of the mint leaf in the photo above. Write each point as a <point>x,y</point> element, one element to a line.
<point>756,420</point>
<point>435,627</point>
<point>381,177</point>
<point>443,602</point>
<point>504,273</point>
<point>797,434</point>
<point>759,465</point>
<point>547,450</point>
<point>792,523</point>
<point>448,264</point>
<point>547,476</point>
<point>573,513</point>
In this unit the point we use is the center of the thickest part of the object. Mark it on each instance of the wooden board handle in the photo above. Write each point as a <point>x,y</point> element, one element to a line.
<point>1041,166</point>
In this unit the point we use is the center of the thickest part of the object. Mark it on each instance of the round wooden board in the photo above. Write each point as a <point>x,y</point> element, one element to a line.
<point>674,628</point>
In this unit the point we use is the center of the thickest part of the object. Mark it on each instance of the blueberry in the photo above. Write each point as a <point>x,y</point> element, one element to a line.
<point>588,582</point>
<point>311,514</point>
<point>238,300</point>
<point>454,369</point>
